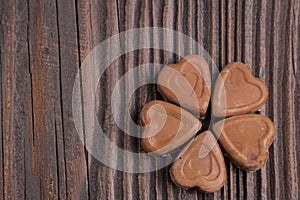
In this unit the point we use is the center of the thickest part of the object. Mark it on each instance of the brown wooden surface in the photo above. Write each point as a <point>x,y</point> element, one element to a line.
<point>43,42</point>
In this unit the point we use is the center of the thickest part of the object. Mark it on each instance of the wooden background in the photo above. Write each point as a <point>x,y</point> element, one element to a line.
<point>43,43</point>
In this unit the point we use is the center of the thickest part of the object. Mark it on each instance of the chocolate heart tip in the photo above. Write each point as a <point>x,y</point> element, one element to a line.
<point>193,59</point>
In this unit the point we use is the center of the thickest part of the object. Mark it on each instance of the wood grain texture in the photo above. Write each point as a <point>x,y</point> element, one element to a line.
<point>44,42</point>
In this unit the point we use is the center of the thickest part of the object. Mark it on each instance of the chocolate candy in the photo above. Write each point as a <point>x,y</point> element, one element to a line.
<point>244,93</point>
<point>246,139</point>
<point>167,127</point>
<point>200,165</point>
<point>190,78</point>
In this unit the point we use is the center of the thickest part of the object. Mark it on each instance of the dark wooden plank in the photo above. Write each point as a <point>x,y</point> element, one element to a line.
<point>296,63</point>
<point>32,176</point>
<point>130,15</point>
<point>274,109</point>
<point>106,183</point>
<point>83,13</point>
<point>289,128</point>
<point>48,150</point>
<point>262,71</point>
<point>1,100</point>
<point>74,157</point>
<point>59,129</point>
<point>279,64</point>
<point>130,190</point>
<point>15,96</point>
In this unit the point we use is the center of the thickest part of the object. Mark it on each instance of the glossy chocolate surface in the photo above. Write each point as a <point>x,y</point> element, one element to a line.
<point>190,78</point>
<point>167,127</point>
<point>246,139</point>
<point>200,165</point>
<point>244,92</point>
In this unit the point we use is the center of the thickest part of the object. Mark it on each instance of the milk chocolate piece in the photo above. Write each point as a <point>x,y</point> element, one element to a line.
<point>190,79</point>
<point>244,92</point>
<point>246,139</point>
<point>200,165</point>
<point>167,127</point>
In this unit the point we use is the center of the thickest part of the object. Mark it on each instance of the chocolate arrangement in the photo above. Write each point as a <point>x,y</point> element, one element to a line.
<point>245,137</point>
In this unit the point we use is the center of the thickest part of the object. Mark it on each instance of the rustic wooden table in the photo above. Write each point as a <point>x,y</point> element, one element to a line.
<point>43,43</point>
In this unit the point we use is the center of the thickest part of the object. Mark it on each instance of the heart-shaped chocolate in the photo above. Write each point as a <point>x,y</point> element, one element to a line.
<point>187,84</point>
<point>200,165</point>
<point>246,139</point>
<point>167,127</point>
<point>237,91</point>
